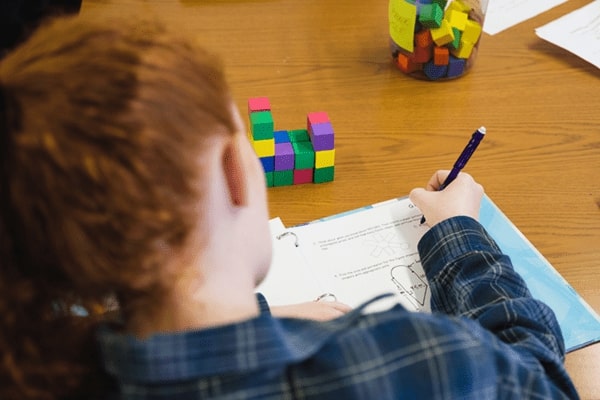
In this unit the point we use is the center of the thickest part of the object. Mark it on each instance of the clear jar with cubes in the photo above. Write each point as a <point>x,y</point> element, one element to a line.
<point>435,39</point>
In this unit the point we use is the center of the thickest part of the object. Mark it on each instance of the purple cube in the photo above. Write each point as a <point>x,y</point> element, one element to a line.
<point>284,156</point>
<point>321,136</point>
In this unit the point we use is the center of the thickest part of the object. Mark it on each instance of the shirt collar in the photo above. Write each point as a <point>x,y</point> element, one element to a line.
<point>253,344</point>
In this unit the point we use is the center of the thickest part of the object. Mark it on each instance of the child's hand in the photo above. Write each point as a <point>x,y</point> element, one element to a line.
<point>317,310</point>
<point>461,197</point>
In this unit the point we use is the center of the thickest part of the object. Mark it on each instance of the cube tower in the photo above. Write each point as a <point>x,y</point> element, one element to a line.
<point>292,157</point>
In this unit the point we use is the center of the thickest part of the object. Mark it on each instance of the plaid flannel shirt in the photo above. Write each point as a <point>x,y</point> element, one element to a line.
<point>486,338</point>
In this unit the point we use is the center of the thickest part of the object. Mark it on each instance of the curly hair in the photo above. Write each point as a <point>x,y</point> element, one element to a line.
<point>102,128</point>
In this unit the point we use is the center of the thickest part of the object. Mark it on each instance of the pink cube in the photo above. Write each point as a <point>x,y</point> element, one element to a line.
<point>303,176</point>
<point>258,104</point>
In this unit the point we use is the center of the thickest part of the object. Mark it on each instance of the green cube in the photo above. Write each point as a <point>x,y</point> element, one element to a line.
<point>323,174</point>
<point>441,3</point>
<point>261,125</point>
<point>304,155</point>
<point>456,42</point>
<point>269,179</point>
<point>283,178</point>
<point>299,135</point>
<point>431,15</point>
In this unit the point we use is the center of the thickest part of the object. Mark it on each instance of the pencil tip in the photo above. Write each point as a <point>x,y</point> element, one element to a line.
<point>482,130</point>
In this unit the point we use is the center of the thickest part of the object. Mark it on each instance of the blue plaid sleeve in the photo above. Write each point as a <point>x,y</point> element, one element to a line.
<point>471,277</point>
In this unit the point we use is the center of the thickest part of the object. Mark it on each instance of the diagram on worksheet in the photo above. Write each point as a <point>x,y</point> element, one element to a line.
<point>386,244</point>
<point>411,283</point>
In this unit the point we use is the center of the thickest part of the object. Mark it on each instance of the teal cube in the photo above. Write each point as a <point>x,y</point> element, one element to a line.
<point>261,125</point>
<point>304,155</point>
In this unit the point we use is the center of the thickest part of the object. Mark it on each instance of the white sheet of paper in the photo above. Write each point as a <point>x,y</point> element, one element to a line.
<point>373,252</point>
<point>577,32</point>
<point>292,282</point>
<point>502,14</point>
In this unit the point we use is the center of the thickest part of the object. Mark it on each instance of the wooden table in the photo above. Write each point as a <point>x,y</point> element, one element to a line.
<point>540,161</point>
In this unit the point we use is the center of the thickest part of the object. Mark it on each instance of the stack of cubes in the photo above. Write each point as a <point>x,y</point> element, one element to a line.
<point>296,156</point>
<point>446,34</point>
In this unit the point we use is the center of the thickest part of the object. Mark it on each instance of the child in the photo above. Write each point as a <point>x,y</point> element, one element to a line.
<point>127,179</point>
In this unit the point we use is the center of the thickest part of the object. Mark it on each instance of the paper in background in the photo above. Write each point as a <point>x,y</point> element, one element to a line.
<point>577,32</point>
<point>502,14</point>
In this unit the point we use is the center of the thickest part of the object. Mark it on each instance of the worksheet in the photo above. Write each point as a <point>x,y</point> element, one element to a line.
<point>352,259</point>
<point>372,253</point>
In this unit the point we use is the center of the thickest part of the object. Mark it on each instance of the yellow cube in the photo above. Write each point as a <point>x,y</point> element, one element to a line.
<point>264,148</point>
<point>324,158</point>
<point>464,50</point>
<point>442,35</point>
<point>458,6</point>
<point>472,32</point>
<point>457,19</point>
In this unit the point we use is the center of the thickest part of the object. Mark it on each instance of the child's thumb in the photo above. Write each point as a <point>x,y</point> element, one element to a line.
<point>417,196</point>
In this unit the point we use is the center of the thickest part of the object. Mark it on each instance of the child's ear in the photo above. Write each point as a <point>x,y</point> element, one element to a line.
<point>235,173</point>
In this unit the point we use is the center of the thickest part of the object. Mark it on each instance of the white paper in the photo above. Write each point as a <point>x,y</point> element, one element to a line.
<point>502,14</point>
<point>371,253</point>
<point>577,32</point>
<point>289,279</point>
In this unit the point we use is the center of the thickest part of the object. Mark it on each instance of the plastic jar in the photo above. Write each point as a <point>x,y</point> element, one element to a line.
<point>435,39</point>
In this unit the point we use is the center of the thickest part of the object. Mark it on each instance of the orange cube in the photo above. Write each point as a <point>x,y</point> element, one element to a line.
<point>441,55</point>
